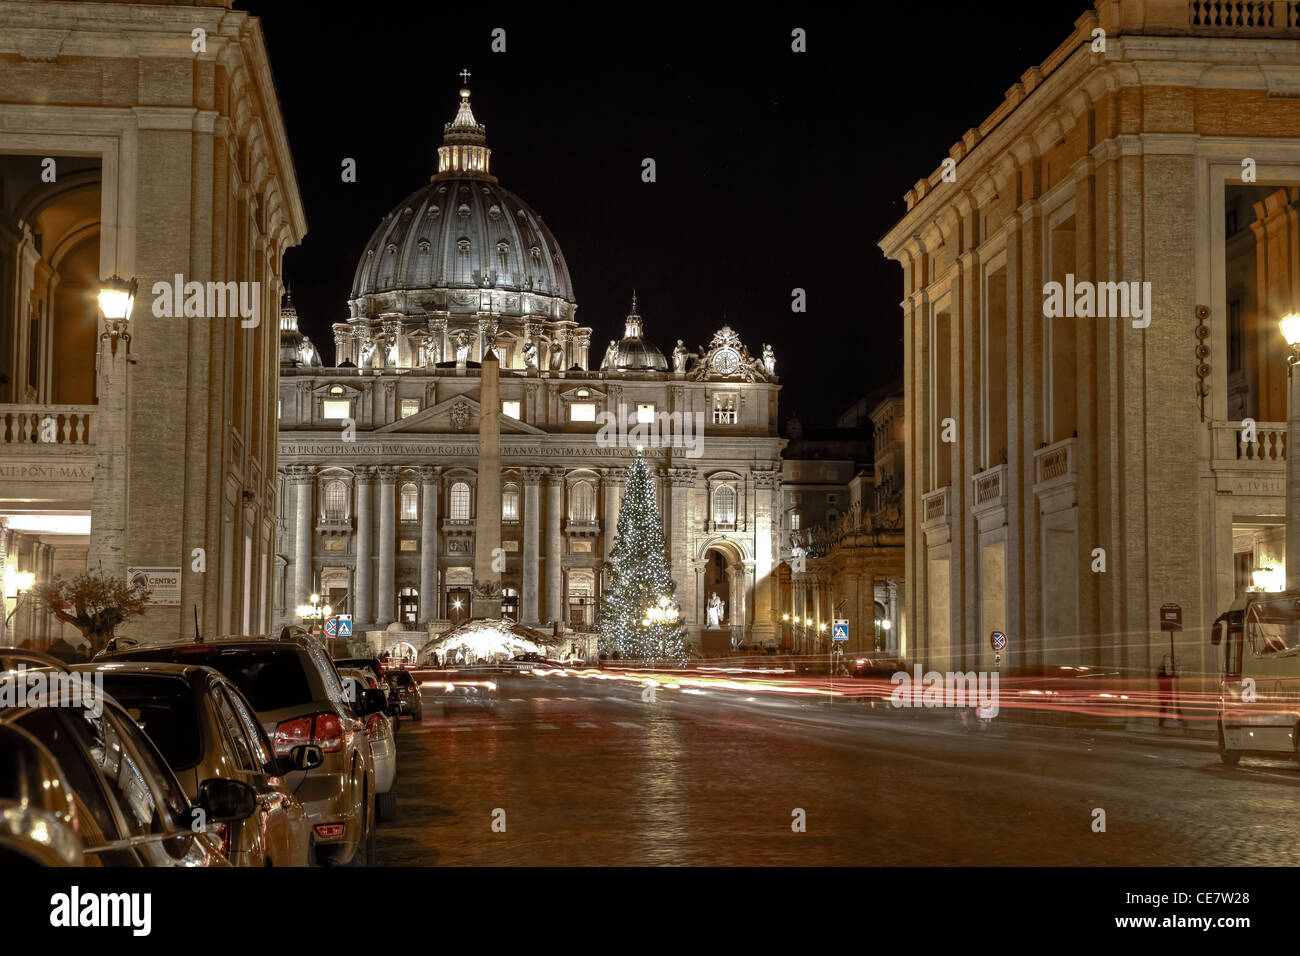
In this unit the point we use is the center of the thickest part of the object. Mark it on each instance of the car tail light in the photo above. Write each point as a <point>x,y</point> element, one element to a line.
<point>223,834</point>
<point>376,725</point>
<point>329,829</point>
<point>324,730</point>
<point>329,734</point>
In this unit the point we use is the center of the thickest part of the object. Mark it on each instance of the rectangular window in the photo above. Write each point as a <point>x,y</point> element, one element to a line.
<point>410,406</point>
<point>645,413</point>
<point>510,409</point>
<point>724,408</point>
<point>582,412</point>
<point>336,409</point>
<point>279,408</point>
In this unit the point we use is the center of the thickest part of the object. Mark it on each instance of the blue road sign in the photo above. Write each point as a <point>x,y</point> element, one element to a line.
<point>345,625</point>
<point>998,640</point>
<point>840,629</point>
<point>331,627</point>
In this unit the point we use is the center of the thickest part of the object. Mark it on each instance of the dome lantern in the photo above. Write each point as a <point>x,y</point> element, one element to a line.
<point>464,152</point>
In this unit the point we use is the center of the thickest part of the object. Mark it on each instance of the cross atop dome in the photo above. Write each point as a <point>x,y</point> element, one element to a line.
<point>464,77</point>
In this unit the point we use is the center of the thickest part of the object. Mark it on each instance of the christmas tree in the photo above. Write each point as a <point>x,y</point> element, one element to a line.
<point>638,617</point>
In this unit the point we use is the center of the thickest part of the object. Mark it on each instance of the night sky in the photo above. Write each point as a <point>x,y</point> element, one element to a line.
<point>775,170</point>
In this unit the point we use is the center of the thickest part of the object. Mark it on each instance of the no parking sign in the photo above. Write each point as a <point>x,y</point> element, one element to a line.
<point>998,640</point>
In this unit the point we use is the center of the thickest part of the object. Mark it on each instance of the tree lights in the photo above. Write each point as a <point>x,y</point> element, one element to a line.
<point>638,617</point>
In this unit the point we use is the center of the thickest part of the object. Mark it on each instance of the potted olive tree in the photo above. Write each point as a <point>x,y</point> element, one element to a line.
<point>94,603</point>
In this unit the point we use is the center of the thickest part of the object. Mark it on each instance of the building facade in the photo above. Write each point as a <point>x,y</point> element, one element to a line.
<point>842,545</point>
<point>380,458</point>
<point>1091,288</point>
<point>141,141</point>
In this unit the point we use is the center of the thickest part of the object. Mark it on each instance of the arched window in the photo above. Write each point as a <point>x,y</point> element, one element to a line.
<point>460,501</point>
<point>410,502</point>
<point>724,506</point>
<point>582,503</point>
<point>510,503</point>
<point>336,500</point>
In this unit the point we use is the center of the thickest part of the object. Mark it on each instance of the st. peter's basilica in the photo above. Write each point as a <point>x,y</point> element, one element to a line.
<point>379,454</point>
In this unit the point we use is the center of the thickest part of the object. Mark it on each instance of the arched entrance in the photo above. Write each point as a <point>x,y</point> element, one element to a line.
<point>721,573</point>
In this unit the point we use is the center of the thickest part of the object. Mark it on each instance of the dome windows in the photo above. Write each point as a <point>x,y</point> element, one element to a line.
<point>463,210</point>
<point>463,244</point>
<point>494,212</point>
<point>424,244</point>
<point>503,246</point>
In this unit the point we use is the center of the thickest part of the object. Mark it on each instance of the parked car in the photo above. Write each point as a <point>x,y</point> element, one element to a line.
<point>403,685</point>
<point>130,808</point>
<point>383,745</point>
<point>295,690</point>
<point>205,728</point>
<point>38,816</point>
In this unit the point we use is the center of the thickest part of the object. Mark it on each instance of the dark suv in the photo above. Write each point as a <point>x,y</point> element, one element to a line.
<point>405,692</point>
<point>295,689</point>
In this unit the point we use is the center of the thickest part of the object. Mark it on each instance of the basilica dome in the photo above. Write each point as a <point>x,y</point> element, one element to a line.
<point>634,352</point>
<point>464,231</point>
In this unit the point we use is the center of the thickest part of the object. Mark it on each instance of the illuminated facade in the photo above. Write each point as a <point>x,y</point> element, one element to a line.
<point>129,148</point>
<point>1069,472</point>
<point>379,453</point>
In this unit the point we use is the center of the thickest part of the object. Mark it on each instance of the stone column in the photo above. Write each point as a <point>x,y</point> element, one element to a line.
<point>386,591</point>
<point>304,477</point>
<point>532,528</point>
<point>363,603</point>
<point>554,544</point>
<point>613,479</point>
<point>680,482</point>
<point>765,617</point>
<point>429,544</point>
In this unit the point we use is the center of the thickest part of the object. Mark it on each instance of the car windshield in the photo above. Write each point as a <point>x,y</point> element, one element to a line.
<point>163,705</point>
<point>401,679</point>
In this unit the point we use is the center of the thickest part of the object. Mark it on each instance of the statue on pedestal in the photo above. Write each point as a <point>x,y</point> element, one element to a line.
<point>716,608</point>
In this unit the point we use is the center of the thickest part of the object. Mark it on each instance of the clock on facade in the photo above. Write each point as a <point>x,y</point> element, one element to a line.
<point>726,361</point>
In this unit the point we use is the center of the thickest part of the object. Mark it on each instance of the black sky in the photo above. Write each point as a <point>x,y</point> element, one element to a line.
<point>776,170</point>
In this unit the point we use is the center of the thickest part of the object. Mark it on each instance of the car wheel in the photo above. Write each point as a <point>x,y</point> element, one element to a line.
<point>1230,757</point>
<point>386,807</point>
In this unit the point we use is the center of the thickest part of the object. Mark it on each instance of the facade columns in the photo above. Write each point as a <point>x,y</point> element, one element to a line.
<point>303,477</point>
<point>554,545</point>
<point>765,618</point>
<point>386,592</point>
<point>363,606</point>
<point>532,556</point>
<point>612,479</point>
<point>680,482</point>
<point>429,543</point>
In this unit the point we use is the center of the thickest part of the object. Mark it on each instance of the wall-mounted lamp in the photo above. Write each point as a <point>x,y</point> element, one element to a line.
<point>116,300</point>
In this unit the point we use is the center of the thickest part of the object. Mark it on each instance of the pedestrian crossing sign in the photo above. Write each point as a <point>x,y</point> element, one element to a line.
<point>840,629</point>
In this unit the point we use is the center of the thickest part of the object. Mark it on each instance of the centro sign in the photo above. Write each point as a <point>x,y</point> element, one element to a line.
<point>164,585</point>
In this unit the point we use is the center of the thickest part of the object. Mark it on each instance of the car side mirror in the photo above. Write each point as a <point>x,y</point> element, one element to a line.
<point>223,800</point>
<point>373,701</point>
<point>302,757</point>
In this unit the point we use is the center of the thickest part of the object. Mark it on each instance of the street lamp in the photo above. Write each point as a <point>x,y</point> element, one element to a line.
<point>116,300</point>
<point>315,612</point>
<point>16,585</point>
<point>1289,325</point>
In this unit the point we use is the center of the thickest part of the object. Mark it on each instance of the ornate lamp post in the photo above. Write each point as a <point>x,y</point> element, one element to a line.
<point>1289,325</point>
<point>315,612</point>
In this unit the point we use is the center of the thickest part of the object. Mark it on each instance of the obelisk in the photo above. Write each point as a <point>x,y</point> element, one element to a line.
<point>489,559</point>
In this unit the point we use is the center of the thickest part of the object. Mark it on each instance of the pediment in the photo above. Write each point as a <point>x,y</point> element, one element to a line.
<point>457,415</point>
